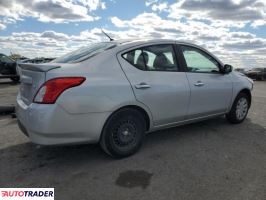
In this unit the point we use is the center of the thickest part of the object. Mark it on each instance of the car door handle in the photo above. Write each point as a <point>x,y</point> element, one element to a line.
<point>142,86</point>
<point>199,84</point>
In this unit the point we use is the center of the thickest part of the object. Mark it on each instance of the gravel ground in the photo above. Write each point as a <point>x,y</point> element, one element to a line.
<point>207,160</point>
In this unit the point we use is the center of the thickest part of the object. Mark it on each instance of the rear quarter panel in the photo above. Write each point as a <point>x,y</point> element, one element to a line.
<point>106,88</point>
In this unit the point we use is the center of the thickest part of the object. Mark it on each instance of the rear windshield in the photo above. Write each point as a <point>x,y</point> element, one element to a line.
<point>84,53</point>
<point>4,58</point>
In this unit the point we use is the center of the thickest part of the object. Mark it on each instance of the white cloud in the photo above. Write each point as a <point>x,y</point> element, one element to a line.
<point>223,12</point>
<point>54,35</point>
<point>2,26</point>
<point>92,4</point>
<point>258,23</point>
<point>58,11</point>
<point>116,21</point>
<point>150,2</point>
<point>242,35</point>
<point>160,7</point>
<point>247,44</point>
<point>48,43</point>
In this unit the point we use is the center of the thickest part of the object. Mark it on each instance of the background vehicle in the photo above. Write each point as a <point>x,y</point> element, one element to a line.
<point>257,73</point>
<point>241,70</point>
<point>114,92</point>
<point>8,68</point>
<point>37,60</point>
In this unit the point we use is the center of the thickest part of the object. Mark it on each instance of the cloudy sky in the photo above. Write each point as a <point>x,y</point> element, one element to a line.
<point>235,30</point>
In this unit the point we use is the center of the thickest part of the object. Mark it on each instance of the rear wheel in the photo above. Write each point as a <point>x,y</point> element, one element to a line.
<point>239,109</point>
<point>123,133</point>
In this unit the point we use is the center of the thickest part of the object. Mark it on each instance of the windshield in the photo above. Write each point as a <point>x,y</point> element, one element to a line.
<point>4,58</point>
<point>84,53</point>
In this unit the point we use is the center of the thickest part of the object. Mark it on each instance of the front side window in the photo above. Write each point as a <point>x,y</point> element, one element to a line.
<point>199,61</point>
<point>153,58</point>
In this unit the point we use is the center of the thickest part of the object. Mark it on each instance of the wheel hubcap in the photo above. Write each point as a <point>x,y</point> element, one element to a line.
<point>124,134</point>
<point>241,108</point>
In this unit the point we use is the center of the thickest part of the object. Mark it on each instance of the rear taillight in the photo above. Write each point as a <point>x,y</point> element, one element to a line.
<point>51,90</point>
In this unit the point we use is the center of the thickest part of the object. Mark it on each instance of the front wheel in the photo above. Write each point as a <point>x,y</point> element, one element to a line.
<point>239,109</point>
<point>123,133</point>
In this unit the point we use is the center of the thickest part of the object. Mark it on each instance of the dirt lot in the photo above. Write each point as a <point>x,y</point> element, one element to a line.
<point>206,160</point>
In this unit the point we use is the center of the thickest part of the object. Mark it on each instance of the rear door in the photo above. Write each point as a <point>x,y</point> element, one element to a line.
<point>158,81</point>
<point>211,90</point>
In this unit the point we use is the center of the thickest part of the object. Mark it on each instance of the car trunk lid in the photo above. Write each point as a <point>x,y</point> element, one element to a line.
<point>32,76</point>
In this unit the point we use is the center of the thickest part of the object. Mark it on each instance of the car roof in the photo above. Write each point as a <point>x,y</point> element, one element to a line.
<point>137,41</point>
<point>128,43</point>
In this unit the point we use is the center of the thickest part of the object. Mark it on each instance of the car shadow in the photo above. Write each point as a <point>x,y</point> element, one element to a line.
<point>59,163</point>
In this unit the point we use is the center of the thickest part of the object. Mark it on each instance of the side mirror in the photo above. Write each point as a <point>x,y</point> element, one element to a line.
<point>227,69</point>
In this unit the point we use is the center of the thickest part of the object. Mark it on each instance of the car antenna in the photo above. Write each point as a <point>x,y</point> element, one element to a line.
<point>111,39</point>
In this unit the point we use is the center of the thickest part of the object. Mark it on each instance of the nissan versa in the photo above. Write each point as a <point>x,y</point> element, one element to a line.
<point>114,92</point>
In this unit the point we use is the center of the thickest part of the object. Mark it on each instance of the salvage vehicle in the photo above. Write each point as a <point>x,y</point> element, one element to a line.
<point>38,60</point>
<point>241,70</point>
<point>115,92</point>
<point>8,68</point>
<point>257,74</point>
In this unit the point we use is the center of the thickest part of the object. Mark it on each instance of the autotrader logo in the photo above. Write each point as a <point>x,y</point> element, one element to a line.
<point>27,193</point>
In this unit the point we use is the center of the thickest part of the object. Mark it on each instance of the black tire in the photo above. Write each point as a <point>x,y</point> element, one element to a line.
<point>233,116</point>
<point>123,133</point>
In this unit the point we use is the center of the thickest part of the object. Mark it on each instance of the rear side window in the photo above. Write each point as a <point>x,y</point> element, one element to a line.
<point>135,58</point>
<point>153,58</point>
<point>85,53</point>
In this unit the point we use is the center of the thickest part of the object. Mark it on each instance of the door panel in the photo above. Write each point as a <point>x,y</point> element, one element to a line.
<point>211,91</point>
<point>212,96</point>
<point>165,93</point>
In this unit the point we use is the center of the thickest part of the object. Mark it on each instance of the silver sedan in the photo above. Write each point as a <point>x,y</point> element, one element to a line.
<point>115,92</point>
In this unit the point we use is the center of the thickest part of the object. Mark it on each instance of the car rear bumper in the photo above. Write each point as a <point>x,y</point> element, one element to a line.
<point>52,125</point>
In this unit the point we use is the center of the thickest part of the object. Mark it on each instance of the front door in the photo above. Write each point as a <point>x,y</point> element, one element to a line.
<point>211,90</point>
